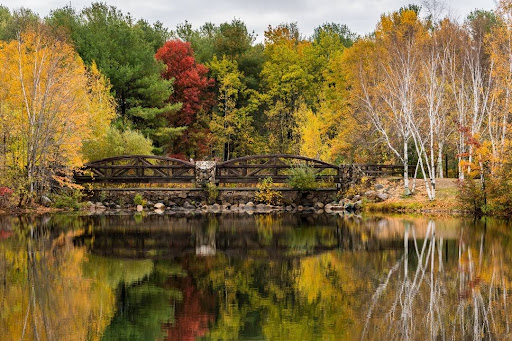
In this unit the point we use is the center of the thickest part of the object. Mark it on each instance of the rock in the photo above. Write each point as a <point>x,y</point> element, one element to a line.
<point>159,206</point>
<point>382,196</point>
<point>370,194</point>
<point>188,205</point>
<point>358,205</point>
<point>349,206</point>
<point>289,208</point>
<point>45,201</point>
<point>242,206</point>
<point>140,208</point>
<point>249,204</point>
<point>216,207</point>
<point>118,207</point>
<point>328,208</point>
<point>356,197</point>
<point>319,205</point>
<point>261,207</point>
<point>300,208</point>
<point>378,187</point>
<point>171,203</point>
<point>182,195</point>
<point>99,204</point>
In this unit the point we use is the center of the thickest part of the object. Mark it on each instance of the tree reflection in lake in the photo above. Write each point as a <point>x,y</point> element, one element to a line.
<point>435,299</point>
<point>274,277</point>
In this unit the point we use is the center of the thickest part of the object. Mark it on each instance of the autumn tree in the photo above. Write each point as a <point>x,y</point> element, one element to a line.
<point>192,88</point>
<point>124,49</point>
<point>43,81</point>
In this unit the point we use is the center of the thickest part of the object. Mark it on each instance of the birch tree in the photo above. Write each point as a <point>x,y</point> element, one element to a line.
<point>53,103</point>
<point>387,69</point>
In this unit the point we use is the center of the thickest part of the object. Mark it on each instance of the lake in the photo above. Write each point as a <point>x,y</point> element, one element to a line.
<point>254,277</point>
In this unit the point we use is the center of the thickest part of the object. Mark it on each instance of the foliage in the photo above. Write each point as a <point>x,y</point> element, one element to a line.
<point>115,143</point>
<point>266,193</point>
<point>192,88</point>
<point>138,199</point>
<point>212,191</point>
<point>302,178</point>
<point>67,199</point>
<point>124,51</point>
<point>5,196</point>
<point>43,80</point>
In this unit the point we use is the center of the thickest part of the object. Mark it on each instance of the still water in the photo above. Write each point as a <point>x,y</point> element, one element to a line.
<point>260,277</point>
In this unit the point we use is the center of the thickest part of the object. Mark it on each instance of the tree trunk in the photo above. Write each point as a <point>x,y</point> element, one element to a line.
<point>406,169</point>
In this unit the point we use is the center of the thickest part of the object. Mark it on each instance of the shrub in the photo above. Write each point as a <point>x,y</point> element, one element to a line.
<point>5,196</point>
<point>139,200</point>
<point>212,191</point>
<point>266,194</point>
<point>116,142</point>
<point>302,178</point>
<point>68,199</point>
<point>471,195</point>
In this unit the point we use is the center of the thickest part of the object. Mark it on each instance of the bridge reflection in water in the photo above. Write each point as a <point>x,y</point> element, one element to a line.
<point>264,236</point>
<point>242,277</point>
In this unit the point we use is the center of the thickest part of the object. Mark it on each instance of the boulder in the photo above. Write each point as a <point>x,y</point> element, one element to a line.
<point>45,201</point>
<point>382,197</point>
<point>159,206</point>
<point>370,194</point>
<point>188,205</point>
<point>378,187</point>
<point>349,206</point>
<point>261,207</point>
<point>319,205</point>
<point>140,208</point>
<point>358,205</point>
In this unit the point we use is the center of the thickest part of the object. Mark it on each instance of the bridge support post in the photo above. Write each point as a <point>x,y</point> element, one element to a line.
<point>205,172</point>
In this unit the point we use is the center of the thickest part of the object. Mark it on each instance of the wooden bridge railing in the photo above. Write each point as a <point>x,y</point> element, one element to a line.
<point>137,169</point>
<point>249,169</point>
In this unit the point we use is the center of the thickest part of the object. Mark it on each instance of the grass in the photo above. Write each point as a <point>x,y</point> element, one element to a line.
<point>445,202</point>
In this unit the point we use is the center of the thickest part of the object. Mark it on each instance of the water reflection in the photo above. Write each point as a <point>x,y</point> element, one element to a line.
<point>279,277</point>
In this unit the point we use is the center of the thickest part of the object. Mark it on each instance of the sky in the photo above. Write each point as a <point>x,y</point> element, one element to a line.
<point>360,16</point>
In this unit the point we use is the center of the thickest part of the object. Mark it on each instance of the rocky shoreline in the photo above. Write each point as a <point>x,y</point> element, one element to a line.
<point>236,201</point>
<point>249,208</point>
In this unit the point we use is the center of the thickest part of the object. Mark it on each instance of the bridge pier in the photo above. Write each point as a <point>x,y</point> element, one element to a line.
<point>205,172</point>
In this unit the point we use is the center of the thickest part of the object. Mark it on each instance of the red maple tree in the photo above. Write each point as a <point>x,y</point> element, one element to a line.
<point>192,88</point>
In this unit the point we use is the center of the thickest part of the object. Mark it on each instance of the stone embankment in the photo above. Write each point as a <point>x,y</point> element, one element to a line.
<point>231,200</point>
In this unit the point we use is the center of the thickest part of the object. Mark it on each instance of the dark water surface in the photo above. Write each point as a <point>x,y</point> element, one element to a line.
<point>260,277</point>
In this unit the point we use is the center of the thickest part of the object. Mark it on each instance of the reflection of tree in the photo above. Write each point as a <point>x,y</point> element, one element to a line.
<point>44,295</point>
<point>143,305</point>
<point>193,313</point>
<point>466,300</point>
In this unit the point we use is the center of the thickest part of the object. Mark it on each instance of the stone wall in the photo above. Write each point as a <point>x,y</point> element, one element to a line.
<point>197,196</point>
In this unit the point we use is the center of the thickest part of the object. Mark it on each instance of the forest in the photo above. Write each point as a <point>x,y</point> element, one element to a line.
<point>422,89</point>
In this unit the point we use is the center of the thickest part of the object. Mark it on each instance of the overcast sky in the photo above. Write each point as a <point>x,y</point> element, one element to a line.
<point>360,15</point>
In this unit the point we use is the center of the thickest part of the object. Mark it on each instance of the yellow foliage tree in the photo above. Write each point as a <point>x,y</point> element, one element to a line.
<point>49,105</point>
